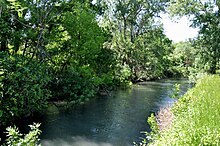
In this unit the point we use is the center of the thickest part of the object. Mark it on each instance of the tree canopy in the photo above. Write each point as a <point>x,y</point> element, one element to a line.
<point>58,50</point>
<point>204,15</point>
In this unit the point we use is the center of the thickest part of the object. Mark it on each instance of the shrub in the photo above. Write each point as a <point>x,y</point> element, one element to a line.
<point>15,138</point>
<point>22,87</point>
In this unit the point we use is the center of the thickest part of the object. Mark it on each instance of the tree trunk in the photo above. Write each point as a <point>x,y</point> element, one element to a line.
<point>213,66</point>
<point>125,27</point>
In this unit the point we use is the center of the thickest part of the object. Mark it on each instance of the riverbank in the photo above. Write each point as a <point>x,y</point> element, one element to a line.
<point>195,117</point>
<point>107,119</point>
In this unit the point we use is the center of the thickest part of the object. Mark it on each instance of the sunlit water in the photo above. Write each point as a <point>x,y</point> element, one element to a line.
<point>115,120</point>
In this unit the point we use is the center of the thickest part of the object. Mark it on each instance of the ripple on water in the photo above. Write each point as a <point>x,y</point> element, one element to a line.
<point>109,121</point>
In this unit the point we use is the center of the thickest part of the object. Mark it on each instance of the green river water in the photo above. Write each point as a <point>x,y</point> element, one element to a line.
<point>114,120</point>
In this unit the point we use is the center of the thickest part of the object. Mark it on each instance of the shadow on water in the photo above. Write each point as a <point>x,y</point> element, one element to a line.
<point>115,120</point>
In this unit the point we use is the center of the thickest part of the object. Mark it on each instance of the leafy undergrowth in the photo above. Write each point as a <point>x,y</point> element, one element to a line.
<point>15,138</point>
<point>196,117</point>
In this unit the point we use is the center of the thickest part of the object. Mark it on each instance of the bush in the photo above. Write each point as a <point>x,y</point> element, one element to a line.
<point>15,138</point>
<point>73,84</point>
<point>23,87</point>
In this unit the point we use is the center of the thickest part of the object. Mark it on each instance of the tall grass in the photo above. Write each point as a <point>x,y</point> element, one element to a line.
<point>196,117</point>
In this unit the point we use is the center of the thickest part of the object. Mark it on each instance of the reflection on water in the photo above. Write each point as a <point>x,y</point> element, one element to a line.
<point>116,120</point>
<point>74,141</point>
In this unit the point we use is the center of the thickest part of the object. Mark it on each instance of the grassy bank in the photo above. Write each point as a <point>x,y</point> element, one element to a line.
<point>196,119</point>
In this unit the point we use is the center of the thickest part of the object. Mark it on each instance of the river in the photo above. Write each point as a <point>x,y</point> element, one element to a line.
<point>114,120</point>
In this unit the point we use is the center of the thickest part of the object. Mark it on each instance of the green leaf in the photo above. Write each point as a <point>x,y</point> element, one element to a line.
<point>1,113</point>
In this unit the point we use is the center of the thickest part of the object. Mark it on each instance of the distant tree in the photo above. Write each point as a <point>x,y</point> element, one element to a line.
<point>204,15</point>
<point>137,37</point>
<point>182,58</point>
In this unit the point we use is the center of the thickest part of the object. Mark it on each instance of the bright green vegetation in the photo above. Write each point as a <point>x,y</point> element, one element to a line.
<point>71,50</point>
<point>196,117</point>
<point>204,15</point>
<point>15,138</point>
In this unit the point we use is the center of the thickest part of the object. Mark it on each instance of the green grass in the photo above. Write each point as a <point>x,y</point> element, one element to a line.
<point>196,117</point>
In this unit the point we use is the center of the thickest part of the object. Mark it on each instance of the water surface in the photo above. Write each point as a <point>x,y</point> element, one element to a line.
<point>115,120</point>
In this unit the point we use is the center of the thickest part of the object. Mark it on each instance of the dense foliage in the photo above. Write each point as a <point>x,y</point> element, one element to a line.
<point>182,59</point>
<point>50,50</point>
<point>204,15</point>
<point>137,37</point>
<point>15,138</point>
<point>71,50</point>
<point>196,120</point>
<point>22,87</point>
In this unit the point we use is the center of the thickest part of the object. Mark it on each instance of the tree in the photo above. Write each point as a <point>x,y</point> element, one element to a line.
<point>135,39</point>
<point>182,58</point>
<point>50,50</point>
<point>4,26</point>
<point>204,15</point>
